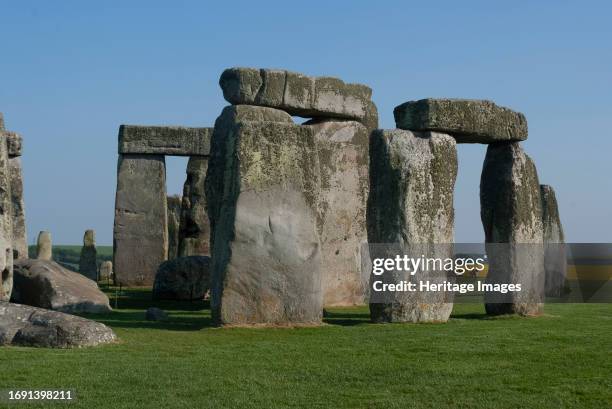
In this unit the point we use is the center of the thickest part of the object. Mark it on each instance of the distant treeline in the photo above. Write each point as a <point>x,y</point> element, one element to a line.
<point>69,256</point>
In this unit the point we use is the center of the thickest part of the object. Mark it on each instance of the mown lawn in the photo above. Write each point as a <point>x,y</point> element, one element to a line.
<point>560,360</point>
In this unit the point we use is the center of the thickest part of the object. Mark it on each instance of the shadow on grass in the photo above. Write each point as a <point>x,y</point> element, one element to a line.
<point>346,318</point>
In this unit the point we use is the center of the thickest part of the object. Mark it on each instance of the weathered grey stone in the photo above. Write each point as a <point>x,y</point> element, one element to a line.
<point>184,278</point>
<point>20,243</point>
<point>88,265</point>
<point>164,140</point>
<point>468,121</point>
<point>155,314</point>
<point>194,236</point>
<point>555,256</point>
<point>266,264</point>
<point>343,155</point>
<point>30,326</point>
<point>1,121</point>
<point>174,224</point>
<point>511,213</point>
<point>224,126</point>
<point>106,271</point>
<point>141,225</point>
<point>44,247</point>
<point>6,225</point>
<point>299,94</point>
<point>14,143</point>
<point>410,206</point>
<point>46,284</point>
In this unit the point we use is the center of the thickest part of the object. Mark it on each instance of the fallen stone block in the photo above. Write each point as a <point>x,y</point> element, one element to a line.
<point>410,208</point>
<point>184,278</point>
<point>468,121</point>
<point>164,140</point>
<point>511,212</point>
<point>46,284</point>
<point>23,325</point>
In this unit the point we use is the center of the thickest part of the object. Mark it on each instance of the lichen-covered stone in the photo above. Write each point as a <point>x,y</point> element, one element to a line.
<point>44,247</point>
<point>140,237</point>
<point>6,224</point>
<point>164,140</point>
<point>511,213</point>
<point>343,155</point>
<point>174,225</point>
<point>299,94</point>
<point>14,143</point>
<point>266,263</point>
<point>412,178</point>
<point>184,278</point>
<point>106,270</point>
<point>46,284</point>
<point>36,327</point>
<point>555,256</point>
<point>88,265</point>
<point>1,121</point>
<point>20,243</point>
<point>194,235</point>
<point>468,121</point>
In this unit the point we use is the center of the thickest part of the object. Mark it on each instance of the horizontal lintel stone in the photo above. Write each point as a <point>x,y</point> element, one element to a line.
<point>164,140</point>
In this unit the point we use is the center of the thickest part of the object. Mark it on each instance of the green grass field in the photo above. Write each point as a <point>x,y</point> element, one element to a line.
<point>559,360</point>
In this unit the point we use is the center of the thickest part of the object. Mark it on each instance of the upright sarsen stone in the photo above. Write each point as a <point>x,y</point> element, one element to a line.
<point>6,225</point>
<point>555,255</point>
<point>87,263</point>
<point>266,254</point>
<point>410,210</point>
<point>140,237</point>
<point>511,213</point>
<point>194,235</point>
<point>343,155</point>
<point>20,243</point>
<point>174,223</point>
<point>44,246</point>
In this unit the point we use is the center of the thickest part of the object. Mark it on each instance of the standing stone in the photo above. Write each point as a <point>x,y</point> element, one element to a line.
<point>555,256</point>
<point>266,264</point>
<point>194,236</point>
<point>467,120</point>
<point>140,238</point>
<point>174,221</point>
<point>511,213</point>
<point>87,263</point>
<point>410,206</point>
<point>106,270</point>
<point>20,243</point>
<point>343,155</point>
<point>6,224</point>
<point>43,246</point>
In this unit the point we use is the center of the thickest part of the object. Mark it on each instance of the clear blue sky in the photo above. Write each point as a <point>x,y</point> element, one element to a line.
<point>71,72</point>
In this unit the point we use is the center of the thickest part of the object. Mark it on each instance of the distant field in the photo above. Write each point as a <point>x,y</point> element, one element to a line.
<point>559,360</point>
<point>69,255</point>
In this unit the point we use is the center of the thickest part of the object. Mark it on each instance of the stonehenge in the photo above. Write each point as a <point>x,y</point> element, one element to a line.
<point>555,255</point>
<point>194,231</point>
<point>174,220</point>
<point>182,278</point>
<point>106,270</point>
<point>44,247</point>
<point>87,263</point>
<point>412,178</point>
<point>140,234</point>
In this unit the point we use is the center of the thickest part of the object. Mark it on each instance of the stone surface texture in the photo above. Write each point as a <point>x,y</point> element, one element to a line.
<point>106,271</point>
<point>412,178</point>
<point>140,237</point>
<point>174,224</point>
<point>44,246</point>
<point>184,278</point>
<point>46,284</point>
<point>468,121</point>
<point>14,143</point>
<point>23,325</point>
<point>194,235</point>
<point>262,193</point>
<point>555,253</point>
<point>164,140</point>
<point>155,314</point>
<point>20,242</point>
<point>511,213</point>
<point>6,226</point>
<point>343,156</point>
<point>88,265</point>
<point>298,94</point>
